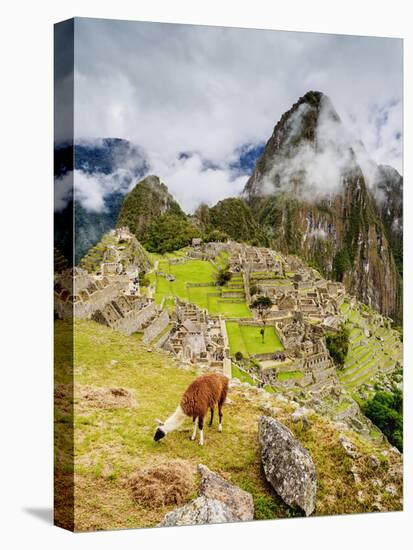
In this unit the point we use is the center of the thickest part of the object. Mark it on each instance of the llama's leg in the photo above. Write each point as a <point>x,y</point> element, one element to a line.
<point>220,416</point>
<point>212,416</point>
<point>193,436</point>
<point>201,430</point>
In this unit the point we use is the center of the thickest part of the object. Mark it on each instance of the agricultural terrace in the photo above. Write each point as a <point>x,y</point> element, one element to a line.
<point>373,349</point>
<point>208,297</point>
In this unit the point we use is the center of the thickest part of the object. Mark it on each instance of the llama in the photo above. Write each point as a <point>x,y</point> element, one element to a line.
<point>204,393</point>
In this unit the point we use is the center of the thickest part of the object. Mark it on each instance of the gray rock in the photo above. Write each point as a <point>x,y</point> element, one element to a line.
<point>238,501</point>
<point>301,414</point>
<point>199,511</point>
<point>348,447</point>
<point>288,467</point>
<point>374,462</point>
<point>391,489</point>
<point>377,483</point>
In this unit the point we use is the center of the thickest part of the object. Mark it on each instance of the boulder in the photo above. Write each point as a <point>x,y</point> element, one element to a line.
<point>239,502</point>
<point>199,511</point>
<point>219,502</point>
<point>288,467</point>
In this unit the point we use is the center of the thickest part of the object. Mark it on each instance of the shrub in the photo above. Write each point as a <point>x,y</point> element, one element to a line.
<point>223,276</point>
<point>255,289</point>
<point>143,279</point>
<point>337,345</point>
<point>385,410</point>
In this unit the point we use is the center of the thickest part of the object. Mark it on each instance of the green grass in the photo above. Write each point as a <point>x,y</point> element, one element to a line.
<point>248,340</point>
<point>292,375</point>
<point>236,341</point>
<point>241,375</point>
<point>196,271</point>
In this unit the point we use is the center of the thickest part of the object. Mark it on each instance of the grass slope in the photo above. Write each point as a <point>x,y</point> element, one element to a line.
<point>111,443</point>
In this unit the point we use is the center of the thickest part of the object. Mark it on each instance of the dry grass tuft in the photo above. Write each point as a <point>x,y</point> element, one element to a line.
<point>167,483</point>
<point>105,398</point>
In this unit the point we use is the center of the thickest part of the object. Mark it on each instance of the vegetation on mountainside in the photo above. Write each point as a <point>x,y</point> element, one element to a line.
<point>341,264</point>
<point>385,410</point>
<point>234,217</point>
<point>147,201</point>
<point>169,232</point>
<point>337,345</point>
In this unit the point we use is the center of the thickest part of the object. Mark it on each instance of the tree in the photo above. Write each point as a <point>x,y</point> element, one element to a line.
<point>385,409</point>
<point>341,264</point>
<point>255,289</point>
<point>143,279</point>
<point>216,236</point>
<point>262,305</point>
<point>169,232</point>
<point>223,276</point>
<point>337,345</point>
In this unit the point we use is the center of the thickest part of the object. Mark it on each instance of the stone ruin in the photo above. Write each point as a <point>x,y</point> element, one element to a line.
<point>206,251</point>
<point>304,353</point>
<point>305,306</point>
<point>197,336</point>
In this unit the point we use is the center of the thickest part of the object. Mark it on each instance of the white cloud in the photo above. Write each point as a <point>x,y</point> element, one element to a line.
<point>174,88</point>
<point>91,189</point>
<point>188,179</point>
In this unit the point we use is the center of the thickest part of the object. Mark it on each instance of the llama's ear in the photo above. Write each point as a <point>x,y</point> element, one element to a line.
<point>159,422</point>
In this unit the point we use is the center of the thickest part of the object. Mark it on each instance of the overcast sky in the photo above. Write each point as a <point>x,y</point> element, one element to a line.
<point>211,91</point>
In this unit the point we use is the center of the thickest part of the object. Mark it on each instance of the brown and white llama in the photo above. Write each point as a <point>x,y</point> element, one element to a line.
<point>206,392</point>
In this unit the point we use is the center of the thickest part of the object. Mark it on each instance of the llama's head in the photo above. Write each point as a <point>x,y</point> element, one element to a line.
<point>160,432</point>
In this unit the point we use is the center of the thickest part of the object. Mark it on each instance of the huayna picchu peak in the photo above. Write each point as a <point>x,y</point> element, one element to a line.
<point>311,197</point>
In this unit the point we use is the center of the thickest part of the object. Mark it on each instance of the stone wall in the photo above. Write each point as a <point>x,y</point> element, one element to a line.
<point>124,316</point>
<point>135,319</point>
<point>246,280</point>
<point>163,339</point>
<point>156,327</point>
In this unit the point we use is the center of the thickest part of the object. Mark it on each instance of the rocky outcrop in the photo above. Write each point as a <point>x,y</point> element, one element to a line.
<point>199,511</point>
<point>219,502</point>
<point>288,467</point>
<point>239,502</point>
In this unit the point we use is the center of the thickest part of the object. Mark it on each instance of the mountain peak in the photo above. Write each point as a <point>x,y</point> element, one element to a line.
<point>312,97</point>
<point>306,142</point>
<point>148,200</point>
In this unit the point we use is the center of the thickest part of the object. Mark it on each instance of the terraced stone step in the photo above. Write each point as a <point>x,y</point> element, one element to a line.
<point>359,358</point>
<point>363,378</point>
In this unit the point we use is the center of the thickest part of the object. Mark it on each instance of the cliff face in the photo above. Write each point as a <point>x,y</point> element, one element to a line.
<point>310,195</point>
